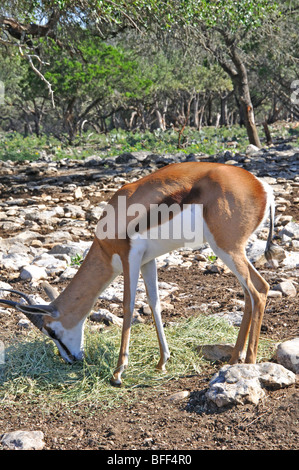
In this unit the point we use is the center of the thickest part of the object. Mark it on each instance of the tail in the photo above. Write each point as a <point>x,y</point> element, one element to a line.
<point>270,246</point>
<point>273,253</point>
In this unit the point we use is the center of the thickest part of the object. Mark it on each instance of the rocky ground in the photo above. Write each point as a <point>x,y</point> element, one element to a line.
<point>48,213</point>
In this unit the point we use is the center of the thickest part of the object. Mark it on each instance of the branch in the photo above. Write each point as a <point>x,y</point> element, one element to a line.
<point>129,18</point>
<point>226,66</point>
<point>20,30</point>
<point>38,73</point>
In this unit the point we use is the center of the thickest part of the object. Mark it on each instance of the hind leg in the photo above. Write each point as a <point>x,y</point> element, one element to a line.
<point>256,290</point>
<point>261,287</point>
<point>255,300</point>
<point>239,349</point>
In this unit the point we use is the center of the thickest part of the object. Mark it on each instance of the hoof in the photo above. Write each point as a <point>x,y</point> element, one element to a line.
<point>115,382</point>
<point>160,369</point>
<point>236,361</point>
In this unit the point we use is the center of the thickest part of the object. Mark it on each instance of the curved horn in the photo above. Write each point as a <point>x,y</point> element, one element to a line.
<point>28,300</point>
<point>38,310</point>
<point>10,303</point>
<point>37,320</point>
<point>34,313</point>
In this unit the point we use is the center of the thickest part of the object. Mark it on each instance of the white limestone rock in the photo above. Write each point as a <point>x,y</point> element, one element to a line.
<point>288,354</point>
<point>244,383</point>
<point>23,440</point>
<point>33,273</point>
<point>287,288</point>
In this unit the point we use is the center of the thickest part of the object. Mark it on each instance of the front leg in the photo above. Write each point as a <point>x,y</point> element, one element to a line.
<point>131,269</point>
<point>149,274</point>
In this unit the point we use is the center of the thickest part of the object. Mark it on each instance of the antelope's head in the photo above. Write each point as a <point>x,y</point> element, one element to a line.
<point>47,319</point>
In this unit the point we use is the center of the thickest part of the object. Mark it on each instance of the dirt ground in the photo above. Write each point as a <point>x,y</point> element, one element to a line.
<point>154,422</point>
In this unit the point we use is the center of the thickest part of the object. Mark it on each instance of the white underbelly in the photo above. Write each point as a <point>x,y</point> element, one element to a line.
<point>185,229</point>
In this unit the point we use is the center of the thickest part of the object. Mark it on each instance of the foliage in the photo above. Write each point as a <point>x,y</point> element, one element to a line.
<point>246,15</point>
<point>14,146</point>
<point>99,69</point>
<point>76,260</point>
<point>143,66</point>
<point>211,141</point>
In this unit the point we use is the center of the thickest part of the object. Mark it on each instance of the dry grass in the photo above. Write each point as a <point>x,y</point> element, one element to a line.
<point>33,370</point>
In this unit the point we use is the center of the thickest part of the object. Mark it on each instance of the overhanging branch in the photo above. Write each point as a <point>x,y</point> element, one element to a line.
<point>25,32</point>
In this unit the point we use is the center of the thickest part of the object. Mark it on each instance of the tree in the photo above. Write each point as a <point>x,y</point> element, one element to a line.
<point>273,60</point>
<point>99,77</point>
<point>231,32</point>
<point>224,28</point>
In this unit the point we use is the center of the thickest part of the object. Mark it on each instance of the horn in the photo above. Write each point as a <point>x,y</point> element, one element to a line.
<point>28,300</point>
<point>10,303</point>
<point>34,313</point>
<point>38,310</point>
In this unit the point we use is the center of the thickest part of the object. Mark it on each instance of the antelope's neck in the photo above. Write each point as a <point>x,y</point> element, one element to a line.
<point>78,298</point>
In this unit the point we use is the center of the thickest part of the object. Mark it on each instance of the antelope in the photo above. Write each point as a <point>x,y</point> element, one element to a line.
<point>234,204</point>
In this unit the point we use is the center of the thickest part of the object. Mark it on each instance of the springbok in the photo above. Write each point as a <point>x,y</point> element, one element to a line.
<point>234,203</point>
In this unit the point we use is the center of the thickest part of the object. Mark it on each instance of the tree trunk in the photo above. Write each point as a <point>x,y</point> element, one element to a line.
<point>132,120</point>
<point>196,111</point>
<point>161,116</point>
<point>201,115</point>
<point>218,117</point>
<point>70,123</point>
<point>251,128</point>
<point>267,133</point>
<point>274,113</point>
<point>27,128</point>
<point>209,117</point>
<point>238,73</point>
<point>223,117</point>
<point>224,110</point>
<point>240,80</point>
<point>37,116</point>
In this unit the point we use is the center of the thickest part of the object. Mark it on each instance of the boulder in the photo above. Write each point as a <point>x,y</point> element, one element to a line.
<point>14,261</point>
<point>291,260</point>
<point>71,249</point>
<point>251,149</point>
<point>103,315</point>
<point>291,230</point>
<point>178,396</point>
<point>245,383</point>
<point>216,352</point>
